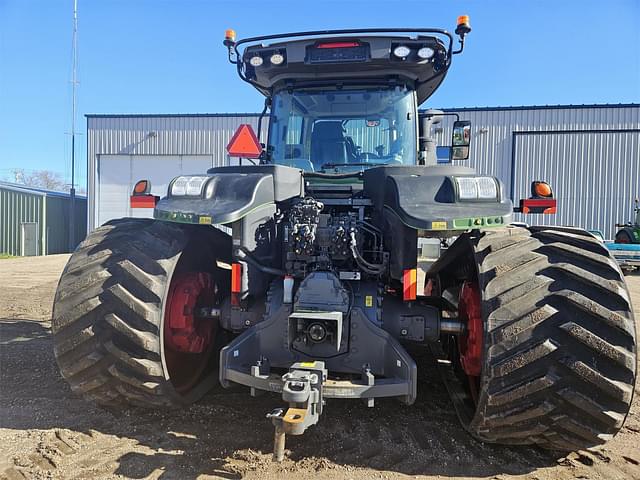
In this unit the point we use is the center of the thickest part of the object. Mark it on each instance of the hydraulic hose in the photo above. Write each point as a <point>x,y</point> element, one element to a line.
<point>370,268</point>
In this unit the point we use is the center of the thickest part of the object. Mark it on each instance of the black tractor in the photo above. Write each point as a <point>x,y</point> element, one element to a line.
<point>317,263</point>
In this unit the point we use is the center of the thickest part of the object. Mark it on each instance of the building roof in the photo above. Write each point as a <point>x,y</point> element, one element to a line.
<point>43,192</point>
<point>448,109</point>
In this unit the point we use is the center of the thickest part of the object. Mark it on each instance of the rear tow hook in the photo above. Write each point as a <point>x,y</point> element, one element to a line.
<point>302,390</point>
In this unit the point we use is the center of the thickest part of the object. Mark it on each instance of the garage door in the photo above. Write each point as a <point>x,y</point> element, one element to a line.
<point>595,175</point>
<point>117,175</point>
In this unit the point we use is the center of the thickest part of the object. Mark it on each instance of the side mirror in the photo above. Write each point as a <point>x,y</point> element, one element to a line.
<point>461,140</point>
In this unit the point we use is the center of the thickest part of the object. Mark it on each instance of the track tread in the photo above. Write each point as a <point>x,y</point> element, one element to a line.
<point>108,313</point>
<point>560,354</point>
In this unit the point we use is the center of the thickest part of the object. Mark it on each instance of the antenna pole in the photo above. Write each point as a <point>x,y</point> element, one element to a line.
<point>74,82</point>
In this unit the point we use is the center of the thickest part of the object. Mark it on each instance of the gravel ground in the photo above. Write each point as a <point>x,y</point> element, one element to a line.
<point>47,432</point>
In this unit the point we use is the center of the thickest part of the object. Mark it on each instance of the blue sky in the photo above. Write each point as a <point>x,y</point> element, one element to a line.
<point>161,56</point>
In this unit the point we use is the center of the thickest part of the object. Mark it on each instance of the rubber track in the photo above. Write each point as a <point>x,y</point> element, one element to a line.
<point>560,340</point>
<point>107,313</point>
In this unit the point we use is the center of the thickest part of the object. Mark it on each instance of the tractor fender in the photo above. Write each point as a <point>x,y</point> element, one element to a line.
<point>424,197</point>
<point>231,193</point>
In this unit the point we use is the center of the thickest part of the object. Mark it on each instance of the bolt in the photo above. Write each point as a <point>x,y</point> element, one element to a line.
<point>403,332</point>
<point>247,322</point>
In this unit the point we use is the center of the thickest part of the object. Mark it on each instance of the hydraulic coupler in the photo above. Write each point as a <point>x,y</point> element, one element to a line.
<point>302,390</point>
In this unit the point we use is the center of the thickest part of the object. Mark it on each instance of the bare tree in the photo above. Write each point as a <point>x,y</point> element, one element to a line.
<point>39,178</point>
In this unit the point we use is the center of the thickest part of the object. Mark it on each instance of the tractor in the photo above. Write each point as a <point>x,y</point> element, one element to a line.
<point>314,265</point>
<point>630,232</point>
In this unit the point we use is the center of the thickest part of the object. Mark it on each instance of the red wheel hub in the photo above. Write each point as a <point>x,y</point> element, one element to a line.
<point>470,312</point>
<point>183,331</point>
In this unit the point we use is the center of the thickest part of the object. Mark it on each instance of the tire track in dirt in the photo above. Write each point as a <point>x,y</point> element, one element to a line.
<point>47,432</point>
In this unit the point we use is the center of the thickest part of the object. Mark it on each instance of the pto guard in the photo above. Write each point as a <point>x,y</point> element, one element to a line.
<point>380,365</point>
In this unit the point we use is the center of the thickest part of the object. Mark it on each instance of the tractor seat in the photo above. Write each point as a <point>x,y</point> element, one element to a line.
<point>328,144</point>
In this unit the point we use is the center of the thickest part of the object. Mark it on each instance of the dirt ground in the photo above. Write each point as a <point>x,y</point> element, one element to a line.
<point>47,432</point>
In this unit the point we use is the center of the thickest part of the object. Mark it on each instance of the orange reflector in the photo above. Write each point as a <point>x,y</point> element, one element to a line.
<point>463,20</point>
<point>542,189</point>
<point>244,143</point>
<point>409,284</point>
<point>236,278</point>
<point>141,187</point>
<point>230,34</point>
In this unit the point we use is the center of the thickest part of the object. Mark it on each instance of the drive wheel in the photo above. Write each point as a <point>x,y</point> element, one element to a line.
<point>126,320</point>
<point>550,349</point>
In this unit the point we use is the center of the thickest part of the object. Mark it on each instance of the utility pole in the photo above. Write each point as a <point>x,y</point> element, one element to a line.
<point>74,82</point>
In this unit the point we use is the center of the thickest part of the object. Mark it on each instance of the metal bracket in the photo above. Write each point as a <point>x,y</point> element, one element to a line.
<point>302,390</point>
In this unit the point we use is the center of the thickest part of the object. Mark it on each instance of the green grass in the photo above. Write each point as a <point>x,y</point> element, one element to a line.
<point>5,255</point>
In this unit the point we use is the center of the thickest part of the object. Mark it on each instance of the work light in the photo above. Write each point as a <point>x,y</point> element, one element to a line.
<point>426,53</point>
<point>277,59</point>
<point>401,51</point>
<point>194,185</point>
<point>477,188</point>
<point>179,186</point>
<point>188,186</point>
<point>256,61</point>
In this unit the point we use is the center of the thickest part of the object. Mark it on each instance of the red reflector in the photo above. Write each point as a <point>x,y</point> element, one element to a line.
<point>539,205</point>
<point>143,201</point>
<point>236,277</point>
<point>338,45</point>
<point>409,284</point>
<point>244,143</point>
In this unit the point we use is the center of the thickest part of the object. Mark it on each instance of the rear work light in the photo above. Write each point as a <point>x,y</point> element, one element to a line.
<point>426,53</point>
<point>256,61</point>
<point>401,51</point>
<point>277,59</point>
<point>476,188</point>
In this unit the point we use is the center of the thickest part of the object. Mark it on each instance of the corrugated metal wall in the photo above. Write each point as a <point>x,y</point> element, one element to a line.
<point>17,207</point>
<point>50,212</point>
<point>590,155</point>
<point>57,226</point>
<point>158,135</point>
<point>603,168</point>
<point>499,148</point>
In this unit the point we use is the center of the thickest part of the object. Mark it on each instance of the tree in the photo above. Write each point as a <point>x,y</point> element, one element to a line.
<point>40,179</point>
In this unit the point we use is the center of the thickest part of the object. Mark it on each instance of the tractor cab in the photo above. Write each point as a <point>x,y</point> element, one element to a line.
<point>349,100</point>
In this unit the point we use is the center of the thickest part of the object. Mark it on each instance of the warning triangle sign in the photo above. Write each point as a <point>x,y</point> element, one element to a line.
<point>244,143</point>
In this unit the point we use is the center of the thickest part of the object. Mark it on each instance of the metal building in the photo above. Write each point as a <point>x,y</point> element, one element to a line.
<point>589,153</point>
<point>35,221</point>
